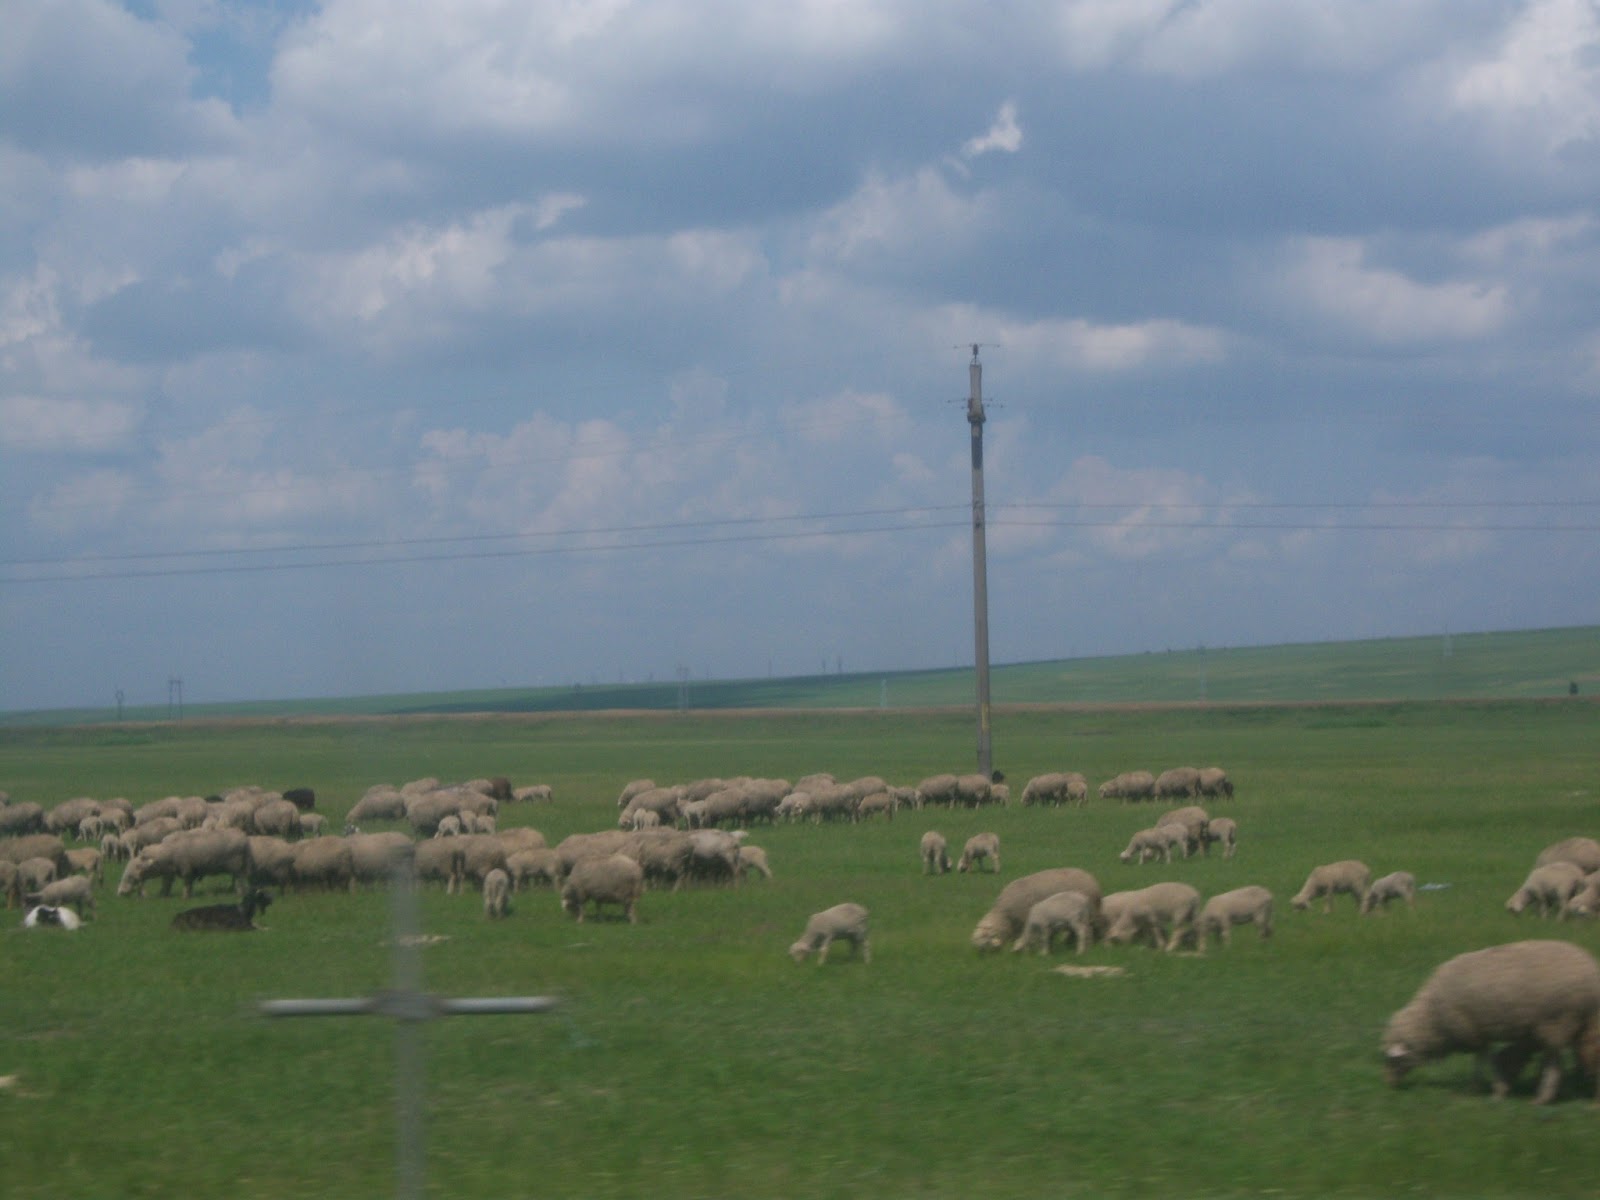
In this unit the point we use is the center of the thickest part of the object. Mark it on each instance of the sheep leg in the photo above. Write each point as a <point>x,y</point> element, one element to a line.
<point>822,950</point>
<point>866,949</point>
<point>1549,1076</point>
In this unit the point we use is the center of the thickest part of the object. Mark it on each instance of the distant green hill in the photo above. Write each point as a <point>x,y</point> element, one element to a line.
<point>1536,663</point>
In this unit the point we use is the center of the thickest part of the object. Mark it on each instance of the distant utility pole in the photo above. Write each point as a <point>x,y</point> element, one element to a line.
<point>980,565</point>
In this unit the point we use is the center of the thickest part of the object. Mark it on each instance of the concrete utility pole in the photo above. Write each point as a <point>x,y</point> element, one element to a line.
<point>980,565</point>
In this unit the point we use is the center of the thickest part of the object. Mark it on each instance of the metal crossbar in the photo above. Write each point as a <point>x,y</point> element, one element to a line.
<point>410,1007</point>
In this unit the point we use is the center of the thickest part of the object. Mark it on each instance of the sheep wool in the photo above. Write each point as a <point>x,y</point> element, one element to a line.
<point>1504,1004</point>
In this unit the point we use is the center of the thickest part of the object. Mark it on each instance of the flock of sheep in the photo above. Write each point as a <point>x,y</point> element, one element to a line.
<point>1507,1003</point>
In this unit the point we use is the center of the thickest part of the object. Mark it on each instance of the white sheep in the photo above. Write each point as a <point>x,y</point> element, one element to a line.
<point>1224,830</point>
<point>1241,906</point>
<point>1009,913</point>
<point>1397,885</point>
<point>1350,876</point>
<point>496,894</point>
<point>75,891</point>
<point>1064,911</point>
<point>1522,997</point>
<point>754,858</point>
<point>979,847</point>
<point>609,879</point>
<point>1151,843</point>
<point>1581,851</point>
<point>1163,912</point>
<point>1549,889</point>
<point>847,922</point>
<point>935,853</point>
<point>449,826</point>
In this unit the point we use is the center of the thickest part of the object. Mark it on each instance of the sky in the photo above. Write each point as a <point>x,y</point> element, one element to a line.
<point>377,346</point>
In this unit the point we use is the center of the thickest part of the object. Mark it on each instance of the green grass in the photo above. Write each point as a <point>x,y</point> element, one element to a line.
<point>693,1059</point>
<point>1523,665</point>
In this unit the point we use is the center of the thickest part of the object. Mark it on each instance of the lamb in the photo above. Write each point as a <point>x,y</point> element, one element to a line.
<point>1522,997</point>
<point>74,891</point>
<point>612,879</point>
<point>847,922</point>
<point>1580,851</point>
<point>496,894</point>
<point>1163,912</point>
<point>1195,822</point>
<point>935,853</point>
<point>1050,916</point>
<point>1241,906</point>
<point>531,866</point>
<point>980,846</point>
<point>877,802</point>
<point>536,793</point>
<point>1550,889</point>
<point>1154,843</point>
<point>1397,885</point>
<point>224,918</point>
<point>1224,830</point>
<point>1009,913</point>
<point>754,858</point>
<point>449,826</point>
<point>86,860</point>
<point>1327,881</point>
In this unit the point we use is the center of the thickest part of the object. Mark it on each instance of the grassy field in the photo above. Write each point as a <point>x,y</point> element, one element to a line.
<point>1526,664</point>
<point>691,1058</point>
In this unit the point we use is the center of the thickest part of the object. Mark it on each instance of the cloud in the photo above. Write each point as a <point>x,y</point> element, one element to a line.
<point>1004,135</point>
<point>75,426</point>
<point>1543,80</point>
<point>1332,278</point>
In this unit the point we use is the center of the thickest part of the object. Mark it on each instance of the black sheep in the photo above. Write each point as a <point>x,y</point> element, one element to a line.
<point>224,918</point>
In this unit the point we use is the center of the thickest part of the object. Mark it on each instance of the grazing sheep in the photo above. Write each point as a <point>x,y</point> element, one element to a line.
<point>935,853</point>
<point>575,847</point>
<point>271,862</point>
<point>666,855</point>
<point>1195,822</point>
<point>1129,786</point>
<point>1398,885</point>
<point>439,860</point>
<point>43,916</point>
<point>714,854</point>
<point>313,825</point>
<point>1179,781</point>
<point>644,818</point>
<point>224,918</point>
<point>877,802</point>
<point>632,789</point>
<point>537,793</point>
<point>75,891</point>
<point>612,879</point>
<point>88,862</point>
<point>1241,906</point>
<point>846,922</point>
<point>449,826</point>
<point>69,814</point>
<point>1163,912</point>
<point>380,803</point>
<point>36,845</point>
<point>980,846</point>
<point>189,856</point>
<point>1056,788</point>
<point>528,867</point>
<point>1069,911</point>
<point>1582,852</point>
<point>323,862</point>
<point>1224,830</point>
<point>1006,917</point>
<point>754,858</point>
<point>1146,844</point>
<point>496,894</point>
<point>275,818</point>
<point>1214,782</point>
<point>34,873</point>
<point>1587,902</point>
<point>375,857</point>
<point>19,820</point>
<point>1550,889</point>
<point>1522,997</point>
<point>1327,881</point>
<point>938,789</point>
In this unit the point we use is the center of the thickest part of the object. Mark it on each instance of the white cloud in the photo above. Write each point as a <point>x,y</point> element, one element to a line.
<point>1004,135</point>
<point>1543,81</point>
<point>57,424</point>
<point>1072,343</point>
<point>1332,278</point>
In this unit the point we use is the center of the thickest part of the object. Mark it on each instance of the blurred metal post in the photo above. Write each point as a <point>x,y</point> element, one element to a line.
<point>980,565</point>
<point>410,1006</point>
